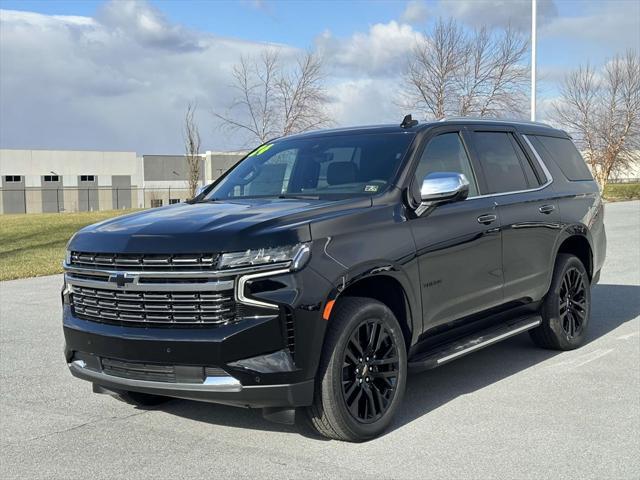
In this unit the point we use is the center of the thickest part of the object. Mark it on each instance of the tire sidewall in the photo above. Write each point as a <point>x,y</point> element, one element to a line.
<point>333,380</point>
<point>551,306</point>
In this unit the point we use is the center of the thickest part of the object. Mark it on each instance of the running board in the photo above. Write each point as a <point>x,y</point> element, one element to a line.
<point>472,343</point>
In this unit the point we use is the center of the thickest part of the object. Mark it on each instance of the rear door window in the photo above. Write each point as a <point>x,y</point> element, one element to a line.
<point>566,156</point>
<point>504,165</point>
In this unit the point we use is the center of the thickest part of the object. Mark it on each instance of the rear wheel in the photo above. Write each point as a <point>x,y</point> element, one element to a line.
<point>566,308</point>
<point>363,370</point>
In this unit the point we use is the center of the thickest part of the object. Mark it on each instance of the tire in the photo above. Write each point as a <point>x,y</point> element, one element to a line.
<point>357,394</point>
<point>566,308</point>
<point>142,399</point>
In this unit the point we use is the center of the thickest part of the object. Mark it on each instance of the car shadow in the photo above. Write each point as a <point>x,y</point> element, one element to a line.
<point>612,306</point>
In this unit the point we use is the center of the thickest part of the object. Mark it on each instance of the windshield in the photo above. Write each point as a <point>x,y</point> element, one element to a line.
<point>326,166</point>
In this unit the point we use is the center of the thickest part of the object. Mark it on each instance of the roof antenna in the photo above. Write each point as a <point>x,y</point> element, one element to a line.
<point>408,122</point>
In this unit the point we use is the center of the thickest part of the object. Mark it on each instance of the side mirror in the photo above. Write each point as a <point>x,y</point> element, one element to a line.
<point>442,187</point>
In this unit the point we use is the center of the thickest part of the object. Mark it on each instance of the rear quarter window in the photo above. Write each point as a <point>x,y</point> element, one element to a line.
<point>565,154</point>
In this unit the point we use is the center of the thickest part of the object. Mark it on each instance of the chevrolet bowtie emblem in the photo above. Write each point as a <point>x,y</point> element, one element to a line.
<point>120,279</point>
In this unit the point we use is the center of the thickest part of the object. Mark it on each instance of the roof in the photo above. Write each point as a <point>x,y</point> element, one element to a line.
<point>521,125</point>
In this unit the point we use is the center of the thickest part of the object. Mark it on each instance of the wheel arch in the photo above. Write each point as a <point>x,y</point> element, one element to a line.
<point>389,290</point>
<point>579,246</point>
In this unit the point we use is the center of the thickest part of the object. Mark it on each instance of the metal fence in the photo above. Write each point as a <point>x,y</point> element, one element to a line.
<point>83,199</point>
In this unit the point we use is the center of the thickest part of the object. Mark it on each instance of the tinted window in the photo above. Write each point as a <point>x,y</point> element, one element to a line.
<point>446,153</point>
<point>566,156</point>
<point>501,162</point>
<point>323,166</point>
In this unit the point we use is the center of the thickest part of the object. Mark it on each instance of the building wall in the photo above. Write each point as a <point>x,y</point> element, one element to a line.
<point>121,192</point>
<point>69,193</point>
<point>52,195</point>
<point>120,179</point>
<point>219,162</point>
<point>13,195</point>
<point>168,168</point>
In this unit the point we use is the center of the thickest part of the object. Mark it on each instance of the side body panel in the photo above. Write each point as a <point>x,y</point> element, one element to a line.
<point>459,259</point>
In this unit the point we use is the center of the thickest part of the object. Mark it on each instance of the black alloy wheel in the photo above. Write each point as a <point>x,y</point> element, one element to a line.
<point>370,371</point>
<point>573,302</point>
<point>362,373</point>
<point>566,308</point>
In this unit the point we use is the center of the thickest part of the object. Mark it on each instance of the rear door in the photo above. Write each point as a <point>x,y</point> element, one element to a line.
<point>458,244</point>
<point>528,213</point>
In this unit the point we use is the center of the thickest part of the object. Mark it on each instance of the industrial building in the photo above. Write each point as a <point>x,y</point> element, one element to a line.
<point>35,181</point>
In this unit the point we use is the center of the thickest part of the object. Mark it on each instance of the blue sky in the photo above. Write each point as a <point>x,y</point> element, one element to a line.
<point>99,92</point>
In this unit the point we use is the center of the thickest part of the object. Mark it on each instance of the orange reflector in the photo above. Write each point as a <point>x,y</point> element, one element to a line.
<point>327,309</point>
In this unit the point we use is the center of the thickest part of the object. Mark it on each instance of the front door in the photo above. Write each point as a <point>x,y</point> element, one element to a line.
<point>458,244</point>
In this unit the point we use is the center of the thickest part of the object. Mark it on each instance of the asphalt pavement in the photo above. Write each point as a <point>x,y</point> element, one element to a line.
<point>510,411</point>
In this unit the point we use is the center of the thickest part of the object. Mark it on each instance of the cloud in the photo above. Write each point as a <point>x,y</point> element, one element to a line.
<point>119,81</point>
<point>497,13</point>
<point>415,12</point>
<point>381,51</point>
<point>614,26</point>
<point>146,25</point>
<point>364,101</point>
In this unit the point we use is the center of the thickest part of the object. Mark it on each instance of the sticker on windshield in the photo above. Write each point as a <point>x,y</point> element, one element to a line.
<point>371,188</point>
<point>262,149</point>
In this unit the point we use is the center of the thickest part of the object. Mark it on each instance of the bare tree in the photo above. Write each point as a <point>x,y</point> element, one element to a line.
<point>274,101</point>
<point>451,72</point>
<point>191,136</point>
<point>601,109</point>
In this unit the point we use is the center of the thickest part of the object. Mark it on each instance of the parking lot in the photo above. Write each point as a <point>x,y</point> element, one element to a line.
<point>509,411</point>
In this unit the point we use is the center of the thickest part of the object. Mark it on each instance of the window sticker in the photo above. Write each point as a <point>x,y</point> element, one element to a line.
<point>371,188</point>
<point>261,150</point>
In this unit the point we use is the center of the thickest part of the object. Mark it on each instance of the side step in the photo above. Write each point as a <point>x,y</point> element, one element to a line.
<point>451,351</point>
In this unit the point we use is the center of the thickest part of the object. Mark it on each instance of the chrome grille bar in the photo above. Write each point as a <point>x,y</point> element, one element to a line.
<point>205,261</point>
<point>151,308</point>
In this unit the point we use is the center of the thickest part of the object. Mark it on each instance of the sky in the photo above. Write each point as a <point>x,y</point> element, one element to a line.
<point>118,74</point>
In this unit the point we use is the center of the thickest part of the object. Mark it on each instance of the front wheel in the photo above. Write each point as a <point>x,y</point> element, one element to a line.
<point>362,374</point>
<point>566,308</point>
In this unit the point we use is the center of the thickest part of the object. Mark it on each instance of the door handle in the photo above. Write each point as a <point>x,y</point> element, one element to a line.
<point>487,219</point>
<point>547,209</point>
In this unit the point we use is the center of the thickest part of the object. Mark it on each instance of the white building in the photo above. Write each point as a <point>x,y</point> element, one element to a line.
<point>60,180</point>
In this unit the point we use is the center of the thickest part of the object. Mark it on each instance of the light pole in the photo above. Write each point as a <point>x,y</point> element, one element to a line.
<point>533,59</point>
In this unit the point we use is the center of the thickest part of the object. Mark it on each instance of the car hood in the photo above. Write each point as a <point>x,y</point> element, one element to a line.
<point>220,226</point>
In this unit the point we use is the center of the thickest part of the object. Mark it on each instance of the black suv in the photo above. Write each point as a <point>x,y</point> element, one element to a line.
<point>323,267</point>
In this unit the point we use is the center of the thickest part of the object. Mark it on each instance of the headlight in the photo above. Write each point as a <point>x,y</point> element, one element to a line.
<point>67,257</point>
<point>297,254</point>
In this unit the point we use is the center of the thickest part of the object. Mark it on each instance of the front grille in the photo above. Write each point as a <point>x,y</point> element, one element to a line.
<point>149,308</point>
<point>153,372</point>
<point>146,262</point>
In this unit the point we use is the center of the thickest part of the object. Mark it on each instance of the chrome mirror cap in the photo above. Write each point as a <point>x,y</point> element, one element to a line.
<point>441,187</point>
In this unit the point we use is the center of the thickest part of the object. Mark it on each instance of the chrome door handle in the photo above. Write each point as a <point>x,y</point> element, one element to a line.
<point>487,219</point>
<point>547,209</point>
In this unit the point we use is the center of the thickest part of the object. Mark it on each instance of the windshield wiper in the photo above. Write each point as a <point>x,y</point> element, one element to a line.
<point>299,197</point>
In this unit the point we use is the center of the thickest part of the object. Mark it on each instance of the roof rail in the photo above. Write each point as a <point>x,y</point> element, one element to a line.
<point>495,120</point>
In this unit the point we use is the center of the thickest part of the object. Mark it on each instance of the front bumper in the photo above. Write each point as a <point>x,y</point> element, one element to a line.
<point>226,390</point>
<point>265,384</point>
<point>255,353</point>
